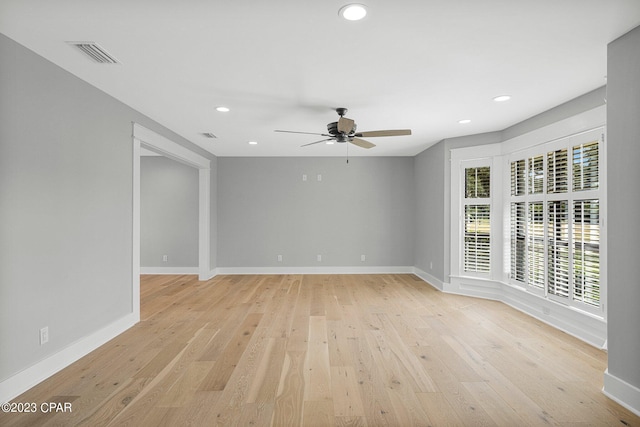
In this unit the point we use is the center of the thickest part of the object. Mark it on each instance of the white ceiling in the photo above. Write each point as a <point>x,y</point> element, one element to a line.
<point>284,64</point>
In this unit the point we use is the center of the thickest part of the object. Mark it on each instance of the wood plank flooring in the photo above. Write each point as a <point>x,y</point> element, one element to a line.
<point>328,350</point>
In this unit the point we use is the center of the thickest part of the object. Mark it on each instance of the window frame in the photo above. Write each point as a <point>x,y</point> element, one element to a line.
<point>481,156</point>
<point>570,196</point>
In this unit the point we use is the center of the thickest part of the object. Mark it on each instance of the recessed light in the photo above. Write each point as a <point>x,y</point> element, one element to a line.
<point>222,109</point>
<point>253,143</point>
<point>464,121</point>
<point>502,98</point>
<point>353,12</point>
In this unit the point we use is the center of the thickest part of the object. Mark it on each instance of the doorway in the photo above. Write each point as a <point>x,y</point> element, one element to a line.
<point>150,140</point>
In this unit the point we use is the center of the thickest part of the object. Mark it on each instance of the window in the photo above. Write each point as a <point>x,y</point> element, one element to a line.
<point>477,242</point>
<point>536,175</point>
<point>555,234</point>
<point>477,220</point>
<point>535,245</point>
<point>586,254</point>
<point>477,182</point>
<point>527,223</point>
<point>558,248</point>
<point>557,176</point>
<point>518,235</point>
<point>585,167</point>
<point>517,178</point>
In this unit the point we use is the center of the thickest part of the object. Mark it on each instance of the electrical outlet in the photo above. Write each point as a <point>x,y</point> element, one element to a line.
<point>430,265</point>
<point>304,176</point>
<point>279,258</point>
<point>44,335</point>
<point>165,258</point>
<point>319,177</point>
<point>363,257</point>
<point>319,258</point>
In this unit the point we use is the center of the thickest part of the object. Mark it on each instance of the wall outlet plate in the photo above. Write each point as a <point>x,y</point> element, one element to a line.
<point>44,335</point>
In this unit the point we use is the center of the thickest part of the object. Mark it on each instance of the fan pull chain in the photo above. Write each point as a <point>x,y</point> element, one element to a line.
<point>347,152</point>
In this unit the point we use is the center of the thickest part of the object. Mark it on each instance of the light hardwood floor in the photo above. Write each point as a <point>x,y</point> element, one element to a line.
<point>323,350</point>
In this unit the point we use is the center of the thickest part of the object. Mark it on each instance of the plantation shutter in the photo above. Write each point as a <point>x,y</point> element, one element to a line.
<point>557,171</point>
<point>517,178</point>
<point>586,253</point>
<point>477,243</point>
<point>477,220</point>
<point>535,245</point>
<point>536,174</point>
<point>555,226</point>
<point>518,247</point>
<point>585,166</point>
<point>558,248</point>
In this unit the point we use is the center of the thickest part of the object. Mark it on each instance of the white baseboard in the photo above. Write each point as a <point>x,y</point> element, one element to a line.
<point>315,270</point>
<point>24,380</point>
<point>208,275</point>
<point>431,280</point>
<point>622,392</point>
<point>168,270</point>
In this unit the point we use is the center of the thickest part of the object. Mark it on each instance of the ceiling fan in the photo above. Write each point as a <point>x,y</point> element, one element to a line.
<point>344,130</point>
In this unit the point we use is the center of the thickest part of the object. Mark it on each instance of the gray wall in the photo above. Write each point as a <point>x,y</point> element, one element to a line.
<point>364,207</point>
<point>168,213</point>
<point>623,152</point>
<point>586,102</point>
<point>430,211</point>
<point>65,207</point>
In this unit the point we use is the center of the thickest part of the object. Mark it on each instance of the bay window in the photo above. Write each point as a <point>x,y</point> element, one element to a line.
<point>527,220</point>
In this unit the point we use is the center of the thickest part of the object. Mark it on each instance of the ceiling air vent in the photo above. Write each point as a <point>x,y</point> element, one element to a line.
<point>95,52</point>
<point>208,135</point>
